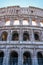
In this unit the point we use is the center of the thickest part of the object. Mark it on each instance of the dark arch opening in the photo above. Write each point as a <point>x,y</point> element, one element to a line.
<point>26,36</point>
<point>1,58</point>
<point>15,36</point>
<point>4,36</point>
<point>27,58</point>
<point>13,58</point>
<point>36,36</point>
<point>40,58</point>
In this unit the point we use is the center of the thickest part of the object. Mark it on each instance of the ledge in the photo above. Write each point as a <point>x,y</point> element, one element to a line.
<point>22,42</point>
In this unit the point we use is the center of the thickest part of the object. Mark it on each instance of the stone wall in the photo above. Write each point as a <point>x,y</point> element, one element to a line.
<point>32,46</point>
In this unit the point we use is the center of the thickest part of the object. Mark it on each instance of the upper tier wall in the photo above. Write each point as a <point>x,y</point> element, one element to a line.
<point>21,10</point>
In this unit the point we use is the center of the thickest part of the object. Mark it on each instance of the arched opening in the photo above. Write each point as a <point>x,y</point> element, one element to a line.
<point>25,22</point>
<point>40,58</point>
<point>4,36</point>
<point>7,23</point>
<point>26,36</point>
<point>34,22</point>
<point>27,58</point>
<point>1,58</point>
<point>16,22</point>
<point>13,58</point>
<point>15,36</point>
<point>36,36</point>
<point>41,23</point>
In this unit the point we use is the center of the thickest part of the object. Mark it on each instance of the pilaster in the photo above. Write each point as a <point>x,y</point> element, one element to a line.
<point>9,35</point>
<point>30,21</point>
<point>6,57</point>
<point>34,58</point>
<point>11,21</point>
<point>20,34</point>
<point>2,22</point>
<point>32,35</point>
<point>20,58</point>
<point>21,21</point>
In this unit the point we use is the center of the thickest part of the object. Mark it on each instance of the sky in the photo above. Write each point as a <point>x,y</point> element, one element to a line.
<point>21,3</point>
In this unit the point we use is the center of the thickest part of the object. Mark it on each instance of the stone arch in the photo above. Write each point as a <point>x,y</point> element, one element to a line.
<point>26,36</point>
<point>15,36</point>
<point>40,58</point>
<point>13,58</point>
<point>27,58</point>
<point>36,36</point>
<point>4,36</point>
<point>1,57</point>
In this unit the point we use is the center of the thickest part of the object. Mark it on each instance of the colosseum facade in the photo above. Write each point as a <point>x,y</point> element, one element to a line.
<point>21,36</point>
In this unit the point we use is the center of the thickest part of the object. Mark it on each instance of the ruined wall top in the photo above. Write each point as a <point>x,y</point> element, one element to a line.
<point>16,10</point>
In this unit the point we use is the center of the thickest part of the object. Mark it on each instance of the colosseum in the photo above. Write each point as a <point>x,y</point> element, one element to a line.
<point>21,35</point>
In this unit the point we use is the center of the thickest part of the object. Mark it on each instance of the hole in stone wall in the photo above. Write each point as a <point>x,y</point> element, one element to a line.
<point>40,58</point>
<point>26,36</point>
<point>1,58</point>
<point>27,58</point>
<point>15,36</point>
<point>16,22</point>
<point>13,58</point>
<point>7,23</point>
<point>36,36</point>
<point>41,23</point>
<point>4,36</point>
<point>25,22</point>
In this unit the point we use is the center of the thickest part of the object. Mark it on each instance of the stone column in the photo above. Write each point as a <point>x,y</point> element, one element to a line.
<point>32,35</point>
<point>9,35</point>
<point>21,21</point>
<point>34,58</point>
<point>11,21</point>
<point>30,21</point>
<point>3,22</point>
<point>20,58</point>
<point>6,57</point>
<point>21,35</point>
<point>41,35</point>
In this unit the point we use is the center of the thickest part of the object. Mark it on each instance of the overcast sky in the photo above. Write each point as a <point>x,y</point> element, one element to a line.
<point>22,3</point>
